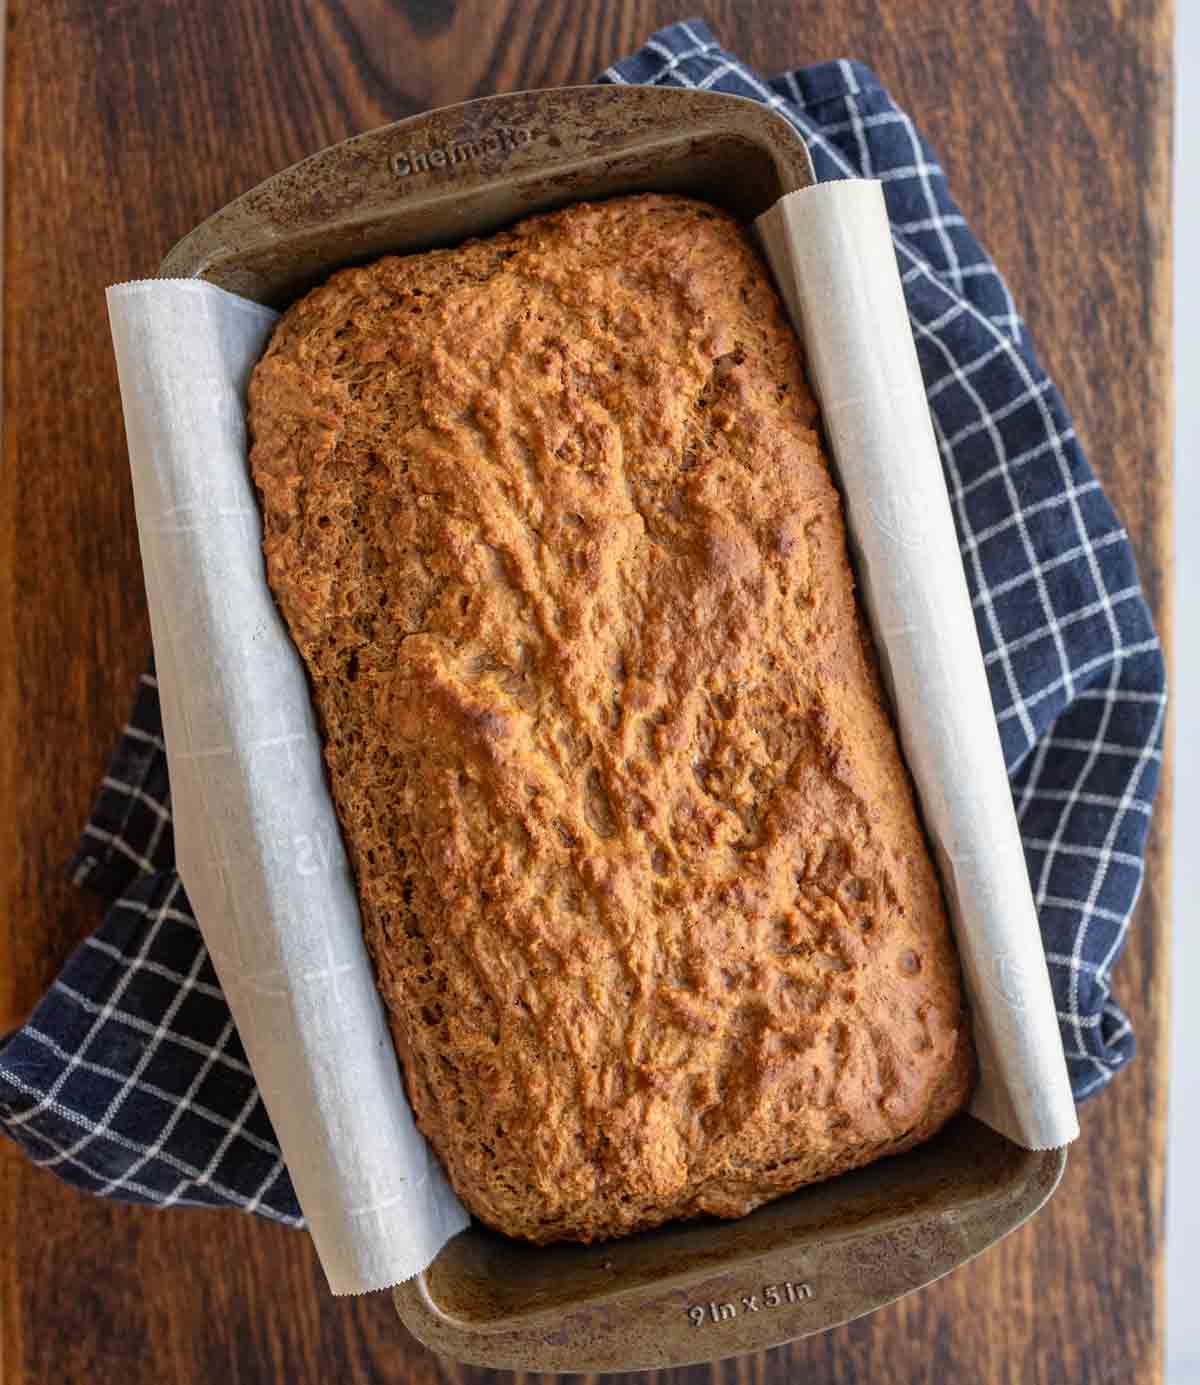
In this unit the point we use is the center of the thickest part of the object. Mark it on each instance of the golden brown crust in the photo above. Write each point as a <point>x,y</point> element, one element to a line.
<point>639,864</point>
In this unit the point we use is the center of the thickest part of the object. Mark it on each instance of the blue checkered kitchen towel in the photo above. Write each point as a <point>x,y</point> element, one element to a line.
<point>129,1079</point>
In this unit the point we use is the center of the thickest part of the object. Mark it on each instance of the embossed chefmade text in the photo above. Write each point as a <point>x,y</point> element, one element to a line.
<point>459,151</point>
<point>769,1296</point>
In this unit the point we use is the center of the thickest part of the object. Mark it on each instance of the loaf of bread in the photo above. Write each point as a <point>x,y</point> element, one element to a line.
<point>639,864</point>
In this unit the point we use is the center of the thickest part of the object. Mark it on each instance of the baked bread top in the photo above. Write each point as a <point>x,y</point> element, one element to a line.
<point>641,874</point>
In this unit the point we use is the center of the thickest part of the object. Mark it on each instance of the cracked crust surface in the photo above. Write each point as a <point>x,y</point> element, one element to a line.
<point>640,870</point>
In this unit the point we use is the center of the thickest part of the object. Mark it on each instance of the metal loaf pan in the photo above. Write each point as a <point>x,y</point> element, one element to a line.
<point>826,1254</point>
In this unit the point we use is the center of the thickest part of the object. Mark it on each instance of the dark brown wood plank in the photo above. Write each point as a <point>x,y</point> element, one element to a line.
<point>128,123</point>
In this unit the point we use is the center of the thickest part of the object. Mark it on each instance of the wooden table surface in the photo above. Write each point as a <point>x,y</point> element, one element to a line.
<point>127,122</point>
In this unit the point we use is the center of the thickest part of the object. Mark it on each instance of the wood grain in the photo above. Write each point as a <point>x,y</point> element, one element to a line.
<point>126,123</point>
